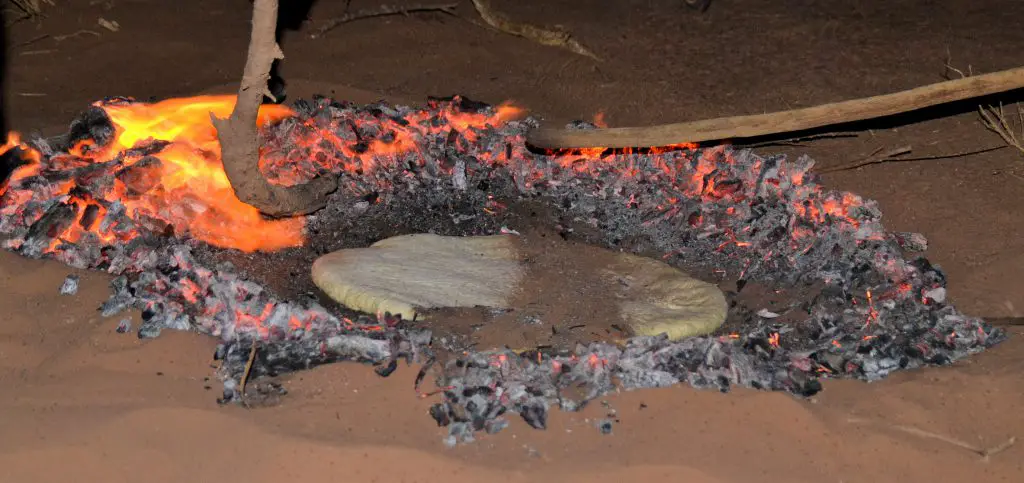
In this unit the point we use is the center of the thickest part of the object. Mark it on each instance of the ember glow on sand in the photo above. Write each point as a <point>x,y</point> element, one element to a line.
<point>137,190</point>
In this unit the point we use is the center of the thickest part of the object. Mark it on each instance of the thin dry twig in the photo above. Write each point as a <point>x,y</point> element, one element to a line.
<point>31,8</point>
<point>382,11</point>
<point>32,40</point>
<point>1006,321</point>
<point>893,156</point>
<point>799,141</point>
<point>999,448</point>
<point>544,36</point>
<point>876,157</point>
<point>985,453</point>
<point>60,38</point>
<point>246,371</point>
<point>997,122</point>
<point>948,65</point>
<point>26,10</point>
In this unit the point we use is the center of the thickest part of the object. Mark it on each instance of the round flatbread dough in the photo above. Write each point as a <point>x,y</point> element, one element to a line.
<point>408,274</point>
<point>657,298</point>
<point>404,274</point>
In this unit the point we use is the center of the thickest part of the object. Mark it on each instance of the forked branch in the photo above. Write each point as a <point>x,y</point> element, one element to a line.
<point>996,121</point>
<point>239,142</point>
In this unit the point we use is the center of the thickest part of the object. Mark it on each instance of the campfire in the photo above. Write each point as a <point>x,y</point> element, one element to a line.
<point>138,190</point>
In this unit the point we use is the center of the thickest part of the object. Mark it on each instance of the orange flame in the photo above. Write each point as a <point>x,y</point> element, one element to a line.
<point>188,188</point>
<point>30,156</point>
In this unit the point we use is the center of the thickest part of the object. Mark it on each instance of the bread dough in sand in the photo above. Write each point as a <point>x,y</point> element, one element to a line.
<point>422,271</point>
<point>657,298</point>
<point>406,274</point>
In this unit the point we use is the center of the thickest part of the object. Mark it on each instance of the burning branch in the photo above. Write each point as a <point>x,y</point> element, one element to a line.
<point>238,138</point>
<point>785,121</point>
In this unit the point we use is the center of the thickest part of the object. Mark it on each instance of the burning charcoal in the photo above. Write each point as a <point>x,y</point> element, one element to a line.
<point>141,176</point>
<point>119,301</point>
<point>580,125</point>
<point>494,426</point>
<point>530,320</point>
<point>440,414</point>
<point>10,161</point>
<point>459,175</point>
<point>358,348</point>
<point>912,242</point>
<point>92,125</point>
<point>150,329</point>
<point>116,215</point>
<point>767,314</point>
<point>52,224</point>
<point>535,415</point>
<point>387,370</point>
<point>765,220</point>
<point>231,392</point>
<point>936,295</point>
<point>70,285</point>
<point>459,433</point>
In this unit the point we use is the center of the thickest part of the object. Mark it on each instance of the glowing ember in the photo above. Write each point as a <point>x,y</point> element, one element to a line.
<point>112,198</point>
<point>183,183</point>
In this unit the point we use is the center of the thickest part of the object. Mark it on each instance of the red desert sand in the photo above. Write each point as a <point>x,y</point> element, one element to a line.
<point>80,402</point>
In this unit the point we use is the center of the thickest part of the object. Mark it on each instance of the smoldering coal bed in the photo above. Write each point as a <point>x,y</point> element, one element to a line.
<point>148,203</point>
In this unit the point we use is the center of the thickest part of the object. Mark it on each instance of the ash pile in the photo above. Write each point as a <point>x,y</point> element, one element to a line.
<point>453,167</point>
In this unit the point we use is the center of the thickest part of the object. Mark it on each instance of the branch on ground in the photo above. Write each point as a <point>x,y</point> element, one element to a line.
<point>796,120</point>
<point>28,9</point>
<point>553,37</point>
<point>1011,132</point>
<point>238,137</point>
<point>382,11</point>
<point>541,35</point>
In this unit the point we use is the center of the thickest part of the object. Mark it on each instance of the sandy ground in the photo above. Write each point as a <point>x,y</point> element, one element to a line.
<point>81,402</point>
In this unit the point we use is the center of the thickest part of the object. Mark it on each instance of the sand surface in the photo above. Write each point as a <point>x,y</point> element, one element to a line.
<point>80,402</point>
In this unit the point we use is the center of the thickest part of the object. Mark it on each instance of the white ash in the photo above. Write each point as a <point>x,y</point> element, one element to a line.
<point>742,214</point>
<point>70,285</point>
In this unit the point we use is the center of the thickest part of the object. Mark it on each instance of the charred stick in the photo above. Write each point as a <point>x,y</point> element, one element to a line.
<point>423,373</point>
<point>247,370</point>
<point>382,11</point>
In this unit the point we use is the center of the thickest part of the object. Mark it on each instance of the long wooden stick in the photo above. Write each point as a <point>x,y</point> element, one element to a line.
<point>785,121</point>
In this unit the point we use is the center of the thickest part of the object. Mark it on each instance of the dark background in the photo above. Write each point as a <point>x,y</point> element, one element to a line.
<point>112,407</point>
<point>663,62</point>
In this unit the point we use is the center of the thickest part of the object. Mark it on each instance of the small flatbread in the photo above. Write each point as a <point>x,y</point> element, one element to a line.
<point>657,298</point>
<point>405,274</point>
